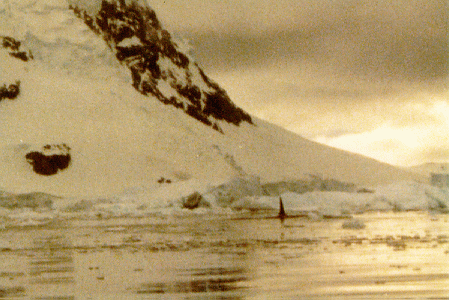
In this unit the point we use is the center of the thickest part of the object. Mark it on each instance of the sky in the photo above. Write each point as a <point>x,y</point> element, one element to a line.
<point>369,77</point>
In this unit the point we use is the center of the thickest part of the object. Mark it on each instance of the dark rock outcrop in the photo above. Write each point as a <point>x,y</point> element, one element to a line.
<point>14,48</point>
<point>193,201</point>
<point>10,91</point>
<point>50,160</point>
<point>138,40</point>
<point>164,180</point>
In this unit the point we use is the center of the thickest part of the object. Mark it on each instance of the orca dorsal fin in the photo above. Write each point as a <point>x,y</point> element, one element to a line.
<point>282,213</point>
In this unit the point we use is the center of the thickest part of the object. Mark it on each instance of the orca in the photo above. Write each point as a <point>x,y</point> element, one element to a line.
<point>282,215</point>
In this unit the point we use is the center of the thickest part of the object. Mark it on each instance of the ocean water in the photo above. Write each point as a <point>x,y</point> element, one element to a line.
<point>394,255</point>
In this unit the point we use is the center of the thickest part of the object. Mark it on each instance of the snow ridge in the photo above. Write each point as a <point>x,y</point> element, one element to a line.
<point>158,67</point>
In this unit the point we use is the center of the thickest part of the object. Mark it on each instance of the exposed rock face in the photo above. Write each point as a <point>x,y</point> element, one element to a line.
<point>50,160</point>
<point>157,65</point>
<point>193,201</point>
<point>14,48</point>
<point>10,91</point>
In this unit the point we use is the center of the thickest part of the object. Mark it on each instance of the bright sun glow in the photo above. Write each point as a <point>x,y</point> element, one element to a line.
<point>399,145</point>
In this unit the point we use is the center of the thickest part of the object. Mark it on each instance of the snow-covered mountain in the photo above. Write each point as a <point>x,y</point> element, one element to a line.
<point>96,98</point>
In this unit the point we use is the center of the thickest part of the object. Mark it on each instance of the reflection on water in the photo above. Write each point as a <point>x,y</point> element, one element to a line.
<point>56,298</point>
<point>207,280</point>
<point>39,266</point>
<point>12,292</point>
<point>51,268</point>
<point>204,283</point>
<point>396,256</point>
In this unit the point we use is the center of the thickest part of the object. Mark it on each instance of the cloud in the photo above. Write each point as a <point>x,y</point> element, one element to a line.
<point>399,39</point>
<point>357,74</point>
<point>316,103</point>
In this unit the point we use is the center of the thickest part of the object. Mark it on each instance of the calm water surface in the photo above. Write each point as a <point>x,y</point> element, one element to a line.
<point>396,256</point>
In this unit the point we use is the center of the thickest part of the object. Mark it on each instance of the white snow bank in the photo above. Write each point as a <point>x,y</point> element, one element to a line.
<point>402,196</point>
<point>414,196</point>
<point>241,194</point>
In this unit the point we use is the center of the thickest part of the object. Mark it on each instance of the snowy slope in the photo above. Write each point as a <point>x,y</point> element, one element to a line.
<point>112,122</point>
<point>428,168</point>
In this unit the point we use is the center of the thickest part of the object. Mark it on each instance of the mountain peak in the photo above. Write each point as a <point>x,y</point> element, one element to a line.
<point>135,37</point>
<point>158,67</point>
